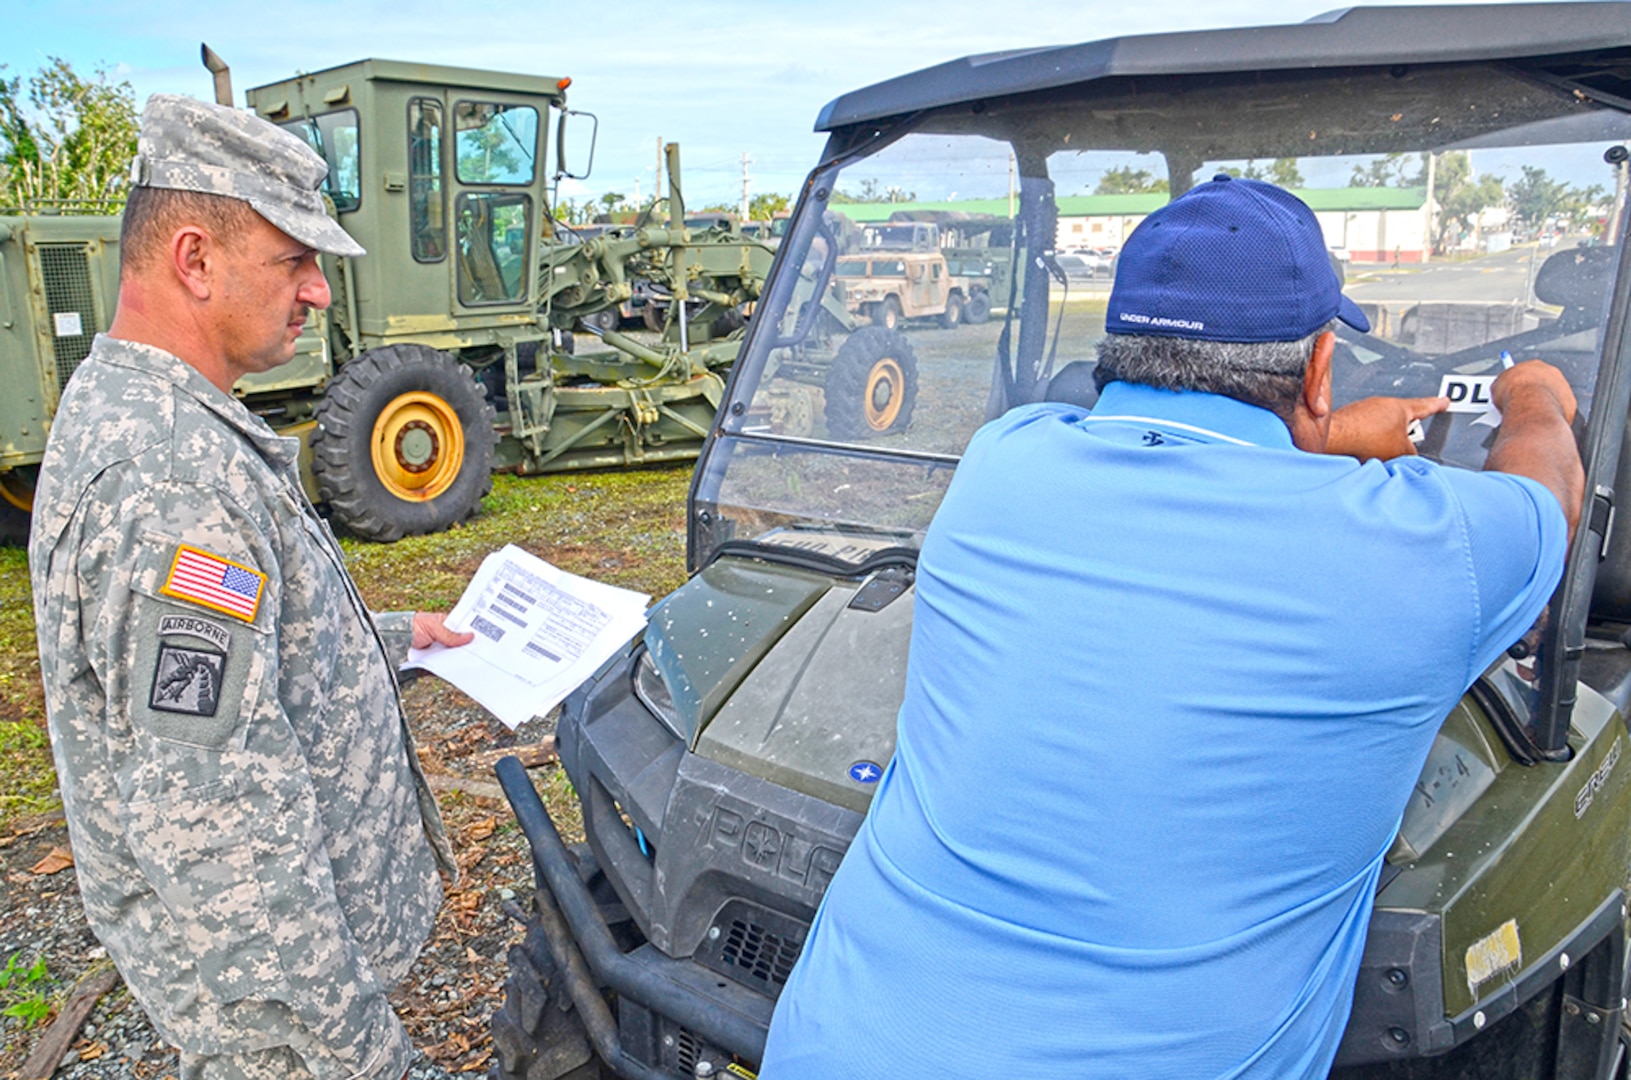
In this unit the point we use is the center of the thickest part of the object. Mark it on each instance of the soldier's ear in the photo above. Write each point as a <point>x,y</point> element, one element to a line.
<point>193,255</point>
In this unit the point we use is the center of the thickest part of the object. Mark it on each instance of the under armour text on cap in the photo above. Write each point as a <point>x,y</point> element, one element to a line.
<point>1228,260</point>
<point>191,145</point>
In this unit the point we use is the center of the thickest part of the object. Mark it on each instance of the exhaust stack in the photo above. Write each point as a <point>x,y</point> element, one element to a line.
<point>222,73</point>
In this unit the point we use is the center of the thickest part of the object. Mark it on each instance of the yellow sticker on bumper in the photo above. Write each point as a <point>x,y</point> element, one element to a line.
<point>1494,953</point>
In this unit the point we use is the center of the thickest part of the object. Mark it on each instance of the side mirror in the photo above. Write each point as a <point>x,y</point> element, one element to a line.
<point>574,121</point>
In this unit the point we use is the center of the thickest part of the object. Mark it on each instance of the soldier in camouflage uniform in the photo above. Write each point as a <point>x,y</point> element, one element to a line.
<point>255,843</point>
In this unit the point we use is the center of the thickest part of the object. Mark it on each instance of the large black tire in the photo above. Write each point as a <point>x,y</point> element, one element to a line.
<point>404,443</point>
<point>655,318</point>
<point>16,488</point>
<point>954,311</point>
<point>872,385</point>
<point>537,1034</point>
<point>978,308</point>
<point>13,525</point>
<point>886,313</point>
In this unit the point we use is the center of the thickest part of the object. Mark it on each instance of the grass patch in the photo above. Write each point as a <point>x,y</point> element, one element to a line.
<point>625,528</point>
<point>25,753</point>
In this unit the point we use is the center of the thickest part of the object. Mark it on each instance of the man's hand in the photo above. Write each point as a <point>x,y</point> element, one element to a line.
<point>430,627</point>
<point>1535,439</point>
<point>1378,427</point>
<point>1534,376</point>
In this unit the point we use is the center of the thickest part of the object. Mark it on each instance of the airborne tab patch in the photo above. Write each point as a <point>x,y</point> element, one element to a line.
<point>216,583</point>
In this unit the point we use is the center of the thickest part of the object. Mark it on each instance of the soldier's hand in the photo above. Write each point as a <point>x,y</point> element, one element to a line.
<point>430,627</point>
<point>1378,427</point>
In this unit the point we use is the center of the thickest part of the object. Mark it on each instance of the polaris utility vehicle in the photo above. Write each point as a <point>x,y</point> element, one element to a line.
<point>726,759</point>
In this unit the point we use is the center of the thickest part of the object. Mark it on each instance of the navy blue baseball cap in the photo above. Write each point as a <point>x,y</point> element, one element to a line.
<point>1228,260</point>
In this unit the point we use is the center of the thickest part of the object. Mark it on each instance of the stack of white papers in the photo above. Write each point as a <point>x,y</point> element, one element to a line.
<point>540,632</point>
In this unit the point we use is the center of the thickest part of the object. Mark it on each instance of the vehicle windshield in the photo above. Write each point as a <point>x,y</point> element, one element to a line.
<point>1473,211</point>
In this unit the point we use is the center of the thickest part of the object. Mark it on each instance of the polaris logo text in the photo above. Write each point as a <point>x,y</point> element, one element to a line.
<point>1162,321</point>
<point>1588,791</point>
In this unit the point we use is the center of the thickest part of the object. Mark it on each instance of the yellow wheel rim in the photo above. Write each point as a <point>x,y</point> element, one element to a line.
<point>16,492</point>
<point>884,385</point>
<point>418,446</point>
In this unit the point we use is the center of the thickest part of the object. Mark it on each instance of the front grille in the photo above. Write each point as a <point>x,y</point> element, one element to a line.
<point>688,1051</point>
<point>753,945</point>
<point>66,271</point>
<point>760,954</point>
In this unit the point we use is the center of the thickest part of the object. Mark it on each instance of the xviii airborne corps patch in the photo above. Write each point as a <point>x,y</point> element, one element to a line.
<point>187,681</point>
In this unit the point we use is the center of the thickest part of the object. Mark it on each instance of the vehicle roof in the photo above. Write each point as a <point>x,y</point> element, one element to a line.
<point>430,74</point>
<point>1349,37</point>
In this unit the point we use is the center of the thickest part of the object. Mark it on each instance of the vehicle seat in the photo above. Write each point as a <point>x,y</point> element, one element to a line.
<point>1073,385</point>
<point>1611,594</point>
<point>1577,280</point>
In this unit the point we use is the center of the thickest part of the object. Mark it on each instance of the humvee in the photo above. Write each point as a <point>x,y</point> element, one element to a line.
<point>898,273</point>
<point>718,760</point>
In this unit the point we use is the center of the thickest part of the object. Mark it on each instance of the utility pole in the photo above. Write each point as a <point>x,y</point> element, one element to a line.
<point>1618,214</point>
<point>744,215</point>
<point>1011,213</point>
<point>1432,211</point>
<point>657,175</point>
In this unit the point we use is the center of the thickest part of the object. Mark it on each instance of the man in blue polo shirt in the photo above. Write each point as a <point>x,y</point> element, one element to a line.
<point>1175,666</point>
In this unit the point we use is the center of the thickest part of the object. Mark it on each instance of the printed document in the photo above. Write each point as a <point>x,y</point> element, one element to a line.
<point>539,633</point>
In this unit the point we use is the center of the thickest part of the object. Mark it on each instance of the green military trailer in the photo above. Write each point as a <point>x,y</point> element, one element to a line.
<point>725,760</point>
<point>59,277</point>
<point>458,344</point>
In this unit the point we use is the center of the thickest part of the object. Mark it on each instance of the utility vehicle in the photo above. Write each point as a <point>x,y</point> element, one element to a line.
<point>725,759</point>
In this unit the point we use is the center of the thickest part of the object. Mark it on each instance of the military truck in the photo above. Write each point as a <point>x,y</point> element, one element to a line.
<point>724,761</point>
<point>449,350</point>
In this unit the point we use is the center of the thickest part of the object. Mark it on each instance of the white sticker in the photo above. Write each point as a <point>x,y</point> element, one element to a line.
<point>1415,431</point>
<point>68,324</point>
<point>1468,393</point>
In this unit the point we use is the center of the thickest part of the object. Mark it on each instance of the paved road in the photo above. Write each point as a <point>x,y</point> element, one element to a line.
<point>1506,277</point>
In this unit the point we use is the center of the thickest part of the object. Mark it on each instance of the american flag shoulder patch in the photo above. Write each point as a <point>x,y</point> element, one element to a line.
<point>219,584</point>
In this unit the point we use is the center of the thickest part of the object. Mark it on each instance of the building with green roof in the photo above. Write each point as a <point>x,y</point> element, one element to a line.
<point>1370,224</point>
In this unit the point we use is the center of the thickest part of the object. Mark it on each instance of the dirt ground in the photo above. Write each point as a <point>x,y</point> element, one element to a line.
<point>624,528</point>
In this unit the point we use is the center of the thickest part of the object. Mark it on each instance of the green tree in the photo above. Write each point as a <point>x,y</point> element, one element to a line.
<point>1281,171</point>
<point>1127,180</point>
<point>614,202</point>
<point>1460,195</point>
<point>571,212</point>
<point>1391,170</point>
<point>874,192</point>
<point>768,205</point>
<point>63,136</point>
<point>1284,172</point>
<point>1537,196</point>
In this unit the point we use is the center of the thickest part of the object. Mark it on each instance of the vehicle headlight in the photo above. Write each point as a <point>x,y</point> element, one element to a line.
<point>653,693</point>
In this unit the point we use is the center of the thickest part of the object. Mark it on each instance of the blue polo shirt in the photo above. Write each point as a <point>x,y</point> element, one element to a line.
<point>1171,682</point>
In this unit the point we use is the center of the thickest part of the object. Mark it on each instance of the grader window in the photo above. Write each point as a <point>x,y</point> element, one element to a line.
<point>496,144</point>
<point>493,230</point>
<point>427,205</point>
<point>334,136</point>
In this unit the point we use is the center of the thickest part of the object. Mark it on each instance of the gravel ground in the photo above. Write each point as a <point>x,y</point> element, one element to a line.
<point>446,999</point>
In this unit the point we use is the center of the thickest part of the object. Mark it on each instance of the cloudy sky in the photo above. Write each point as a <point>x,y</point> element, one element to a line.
<point>721,77</point>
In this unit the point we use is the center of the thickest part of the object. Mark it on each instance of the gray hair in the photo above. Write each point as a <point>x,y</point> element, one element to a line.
<point>1268,374</point>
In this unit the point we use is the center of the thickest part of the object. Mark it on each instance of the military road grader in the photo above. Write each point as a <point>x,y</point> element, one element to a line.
<point>471,337</point>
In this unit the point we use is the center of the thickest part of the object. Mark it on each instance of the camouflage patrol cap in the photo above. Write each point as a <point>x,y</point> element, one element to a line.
<point>191,145</point>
